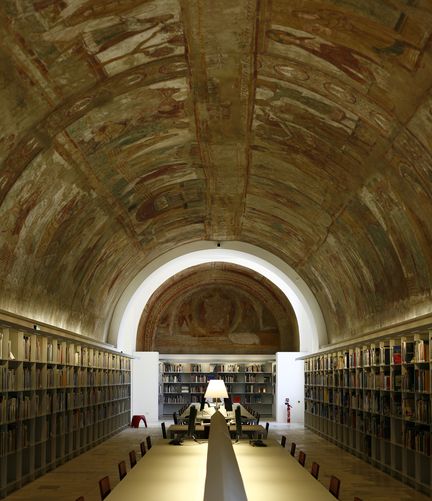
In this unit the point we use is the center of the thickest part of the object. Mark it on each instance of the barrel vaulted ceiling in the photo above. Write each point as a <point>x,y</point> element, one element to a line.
<point>130,127</point>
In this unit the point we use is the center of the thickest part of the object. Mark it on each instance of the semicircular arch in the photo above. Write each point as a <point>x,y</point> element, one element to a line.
<point>124,324</point>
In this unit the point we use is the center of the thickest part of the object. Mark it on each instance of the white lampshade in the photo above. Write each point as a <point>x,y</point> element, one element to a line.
<point>216,389</point>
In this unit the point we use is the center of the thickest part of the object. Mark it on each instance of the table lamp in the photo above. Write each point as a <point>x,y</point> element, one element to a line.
<point>216,389</point>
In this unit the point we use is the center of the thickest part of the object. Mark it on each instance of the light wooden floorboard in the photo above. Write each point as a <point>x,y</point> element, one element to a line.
<point>80,476</point>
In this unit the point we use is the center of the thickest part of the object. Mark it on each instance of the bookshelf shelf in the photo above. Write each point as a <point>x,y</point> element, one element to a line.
<point>59,398</point>
<point>374,400</point>
<point>251,383</point>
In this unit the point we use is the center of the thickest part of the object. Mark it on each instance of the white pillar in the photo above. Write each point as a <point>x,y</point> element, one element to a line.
<point>145,385</point>
<point>289,384</point>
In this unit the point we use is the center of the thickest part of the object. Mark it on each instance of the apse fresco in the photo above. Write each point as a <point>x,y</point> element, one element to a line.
<point>218,309</point>
<point>219,320</point>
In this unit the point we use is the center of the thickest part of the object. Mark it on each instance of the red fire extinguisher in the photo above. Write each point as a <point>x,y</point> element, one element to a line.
<point>288,410</point>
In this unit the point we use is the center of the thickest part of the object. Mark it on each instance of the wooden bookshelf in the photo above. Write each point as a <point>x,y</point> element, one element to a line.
<point>375,401</point>
<point>59,397</point>
<point>251,383</point>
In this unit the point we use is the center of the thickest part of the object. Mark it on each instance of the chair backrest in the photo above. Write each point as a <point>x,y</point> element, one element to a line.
<point>122,469</point>
<point>357,499</point>
<point>164,433</point>
<point>302,458</point>
<point>202,402</point>
<point>334,486</point>
<point>175,419</point>
<point>267,426</point>
<point>191,423</point>
<point>143,449</point>
<point>293,448</point>
<point>149,442</point>
<point>315,470</point>
<point>283,441</point>
<point>104,487</point>
<point>132,458</point>
<point>238,421</point>
<point>81,498</point>
<point>228,404</point>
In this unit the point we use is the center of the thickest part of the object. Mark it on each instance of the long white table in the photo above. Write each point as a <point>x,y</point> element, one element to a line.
<point>271,473</point>
<point>169,472</point>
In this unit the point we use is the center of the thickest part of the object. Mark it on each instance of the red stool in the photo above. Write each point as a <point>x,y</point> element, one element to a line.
<point>136,421</point>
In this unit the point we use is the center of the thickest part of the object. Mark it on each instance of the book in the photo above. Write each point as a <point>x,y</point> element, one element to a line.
<point>397,356</point>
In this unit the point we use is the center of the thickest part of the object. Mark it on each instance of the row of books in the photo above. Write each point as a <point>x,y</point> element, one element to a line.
<point>167,367</point>
<point>8,441</point>
<point>96,396</point>
<point>26,347</point>
<point>214,368</point>
<point>415,351</point>
<point>174,399</point>
<point>418,439</point>
<point>24,407</point>
<point>410,380</point>
<point>409,408</point>
<point>17,438</point>
<point>421,351</point>
<point>172,378</point>
<point>66,423</point>
<point>258,378</point>
<point>422,410</point>
<point>19,378</point>
<point>61,377</point>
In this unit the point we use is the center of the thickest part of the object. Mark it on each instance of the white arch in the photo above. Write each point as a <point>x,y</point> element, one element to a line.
<point>127,313</point>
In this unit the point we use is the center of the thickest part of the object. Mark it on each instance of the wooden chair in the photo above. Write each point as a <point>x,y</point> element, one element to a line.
<point>104,487</point>
<point>239,424</point>
<point>293,448</point>
<point>283,441</point>
<point>164,432</point>
<point>122,469</point>
<point>315,470</point>
<point>191,423</point>
<point>334,486</point>
<point>149,442</point>
<point>357,499</point>
<point>132,458</point>
<point>143,449</point>
<point>302,458</point>
<point>81,498</point>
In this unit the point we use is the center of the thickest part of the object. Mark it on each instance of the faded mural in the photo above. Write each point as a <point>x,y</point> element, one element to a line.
<point>218,308</point>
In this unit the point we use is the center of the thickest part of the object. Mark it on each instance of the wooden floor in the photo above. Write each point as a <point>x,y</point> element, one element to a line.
<point>80,475</point>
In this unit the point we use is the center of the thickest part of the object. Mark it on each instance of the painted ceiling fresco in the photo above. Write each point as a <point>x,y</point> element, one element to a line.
<point>130,127</point>
<point>218,308</point>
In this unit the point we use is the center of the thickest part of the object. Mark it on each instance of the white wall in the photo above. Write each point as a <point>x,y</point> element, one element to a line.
<point>145,384</point>
<point>289,383</point>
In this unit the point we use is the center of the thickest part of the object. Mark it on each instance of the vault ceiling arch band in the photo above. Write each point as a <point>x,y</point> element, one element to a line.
<point>124,326</point>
